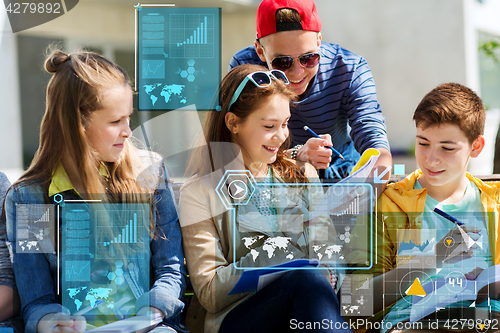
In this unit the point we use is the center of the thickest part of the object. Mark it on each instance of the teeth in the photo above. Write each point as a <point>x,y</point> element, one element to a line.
<point>270,148</point>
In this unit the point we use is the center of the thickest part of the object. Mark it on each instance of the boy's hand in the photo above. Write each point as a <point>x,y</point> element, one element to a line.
<point>492,290</point>
<point>458,249</point>
<point>61,323</point>
<point>314,152</point>
<point>472,275</point>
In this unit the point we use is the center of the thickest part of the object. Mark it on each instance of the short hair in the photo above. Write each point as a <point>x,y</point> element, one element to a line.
<point>287,15</point>
<point>452,103</point>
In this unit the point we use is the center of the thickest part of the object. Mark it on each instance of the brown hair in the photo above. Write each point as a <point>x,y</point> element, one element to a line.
<point>287,15</point>
<point>216,132</point>
<point>452,103</point>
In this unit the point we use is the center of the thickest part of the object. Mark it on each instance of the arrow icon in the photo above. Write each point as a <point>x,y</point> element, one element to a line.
<point>235,189</point>
<point>238,189</point>
<point>467,239</point>
<point>378,179</point>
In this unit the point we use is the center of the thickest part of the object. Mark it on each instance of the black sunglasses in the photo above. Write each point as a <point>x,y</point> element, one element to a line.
<point>307,60</point>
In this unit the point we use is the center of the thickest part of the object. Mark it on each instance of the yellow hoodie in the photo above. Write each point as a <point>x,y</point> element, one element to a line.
<point>401,207</point>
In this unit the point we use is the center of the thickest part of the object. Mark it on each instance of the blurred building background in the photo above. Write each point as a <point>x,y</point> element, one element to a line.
<point>411,46</point>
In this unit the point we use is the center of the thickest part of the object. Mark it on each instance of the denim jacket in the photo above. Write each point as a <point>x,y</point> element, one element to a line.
<point>36,273</point>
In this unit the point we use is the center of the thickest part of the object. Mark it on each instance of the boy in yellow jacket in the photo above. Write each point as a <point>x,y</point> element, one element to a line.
<point>414,244</point>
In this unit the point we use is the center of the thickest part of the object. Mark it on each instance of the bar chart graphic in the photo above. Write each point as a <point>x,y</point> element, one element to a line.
<point>45,217</point>
<point>192,35</point>
<point>128,234</point>
<point>351,208</point>
<point>120,234</point>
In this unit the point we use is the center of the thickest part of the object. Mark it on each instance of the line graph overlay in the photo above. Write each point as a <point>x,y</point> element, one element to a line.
<point>77,270</point>
<point>153,69</point>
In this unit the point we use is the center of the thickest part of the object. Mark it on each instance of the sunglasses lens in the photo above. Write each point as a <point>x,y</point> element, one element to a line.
<point>262,79</point>
<point>282,63</point>
<point>280,76</point>
<point>309,60</point>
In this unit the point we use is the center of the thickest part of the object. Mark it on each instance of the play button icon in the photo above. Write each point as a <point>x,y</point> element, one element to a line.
<point>235,188</point>
<point>238,189</point>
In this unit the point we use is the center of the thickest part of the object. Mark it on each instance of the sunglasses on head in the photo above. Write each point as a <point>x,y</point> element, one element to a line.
<point>307,60</point>
<point>260,79</point>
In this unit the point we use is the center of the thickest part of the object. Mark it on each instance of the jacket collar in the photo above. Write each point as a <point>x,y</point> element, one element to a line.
<point>405,196</point>
<point>60,181</point>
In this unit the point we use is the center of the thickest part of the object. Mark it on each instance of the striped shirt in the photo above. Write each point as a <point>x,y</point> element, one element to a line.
<point>342,101</point>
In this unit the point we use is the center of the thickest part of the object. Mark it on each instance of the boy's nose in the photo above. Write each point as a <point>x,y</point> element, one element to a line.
<point>295,69</point>
<point>432,158</point>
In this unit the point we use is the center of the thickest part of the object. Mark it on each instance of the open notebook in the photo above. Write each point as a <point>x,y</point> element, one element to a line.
<point>438,293</point>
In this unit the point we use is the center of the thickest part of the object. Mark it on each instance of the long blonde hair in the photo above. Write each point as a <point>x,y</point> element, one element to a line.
<point>73,93</point>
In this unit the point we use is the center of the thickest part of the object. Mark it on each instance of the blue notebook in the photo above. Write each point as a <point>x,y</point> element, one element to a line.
<point>256,279</point>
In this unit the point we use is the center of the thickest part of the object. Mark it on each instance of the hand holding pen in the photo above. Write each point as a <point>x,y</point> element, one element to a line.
<point>459,242</point>
<point>317,151</point>
<point>330,145</point>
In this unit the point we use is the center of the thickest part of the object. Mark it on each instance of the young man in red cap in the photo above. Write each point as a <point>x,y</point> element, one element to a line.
<point>335,88</point>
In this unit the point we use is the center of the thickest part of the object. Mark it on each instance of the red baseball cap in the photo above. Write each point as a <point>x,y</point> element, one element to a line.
<point>266,19</point>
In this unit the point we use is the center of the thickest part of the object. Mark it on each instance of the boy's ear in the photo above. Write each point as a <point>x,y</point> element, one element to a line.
<point>260,51</point>
<point>477,146</point>
<point>232,122</point>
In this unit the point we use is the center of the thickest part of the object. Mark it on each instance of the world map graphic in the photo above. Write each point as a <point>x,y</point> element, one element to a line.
<point>165,92</point>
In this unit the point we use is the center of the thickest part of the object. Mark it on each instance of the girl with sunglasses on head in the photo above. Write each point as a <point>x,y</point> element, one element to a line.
<point>85,155</point>
<point>250,133</point>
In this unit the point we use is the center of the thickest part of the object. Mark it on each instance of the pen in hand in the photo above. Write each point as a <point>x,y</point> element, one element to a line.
<point>316,135</point>
<point>447,216</point>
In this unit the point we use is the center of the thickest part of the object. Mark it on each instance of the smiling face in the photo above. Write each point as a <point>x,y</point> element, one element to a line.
<point>108,129</point>
<point>442,153</point>
<point>291,43</point>
<point>262,132</point>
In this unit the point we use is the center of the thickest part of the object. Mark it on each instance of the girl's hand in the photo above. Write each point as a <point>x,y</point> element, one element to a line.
<point>314,152</point>
<point>153,313</point>
<point>458,249</point>
<point>61,323</point>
